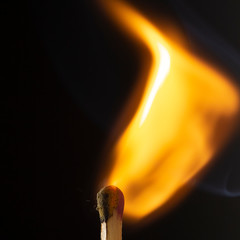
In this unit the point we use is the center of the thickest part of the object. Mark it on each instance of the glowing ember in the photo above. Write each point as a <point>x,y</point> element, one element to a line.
<point>183,118</point>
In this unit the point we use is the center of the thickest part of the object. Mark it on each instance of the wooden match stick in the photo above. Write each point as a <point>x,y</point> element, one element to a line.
<point>110,204</point>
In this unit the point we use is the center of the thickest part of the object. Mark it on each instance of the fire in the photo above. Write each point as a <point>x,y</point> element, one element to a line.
<point>185,113</point>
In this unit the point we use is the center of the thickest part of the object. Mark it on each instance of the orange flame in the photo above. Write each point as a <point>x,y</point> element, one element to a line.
<point>178,126</point>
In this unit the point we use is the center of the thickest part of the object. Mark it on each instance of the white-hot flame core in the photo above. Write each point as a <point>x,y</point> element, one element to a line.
<point>162,71</point>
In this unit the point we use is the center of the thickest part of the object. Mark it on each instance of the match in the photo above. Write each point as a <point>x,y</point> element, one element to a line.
<point>110,204</point>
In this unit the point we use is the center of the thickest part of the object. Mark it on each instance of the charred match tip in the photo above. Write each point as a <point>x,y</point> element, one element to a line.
<point>110,199</point>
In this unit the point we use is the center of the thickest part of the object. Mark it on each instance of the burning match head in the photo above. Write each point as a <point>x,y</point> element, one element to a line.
<point>110,199</point>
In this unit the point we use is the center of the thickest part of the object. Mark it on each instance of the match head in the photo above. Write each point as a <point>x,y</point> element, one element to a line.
<point>110,199</point>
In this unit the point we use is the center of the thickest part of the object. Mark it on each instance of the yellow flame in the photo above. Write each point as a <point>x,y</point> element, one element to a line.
<point>182,119</point>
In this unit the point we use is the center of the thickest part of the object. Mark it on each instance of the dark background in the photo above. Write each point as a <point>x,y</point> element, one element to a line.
<point>68,73</point>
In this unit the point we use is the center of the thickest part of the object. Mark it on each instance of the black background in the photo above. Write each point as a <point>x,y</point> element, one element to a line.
<point>54,137</point>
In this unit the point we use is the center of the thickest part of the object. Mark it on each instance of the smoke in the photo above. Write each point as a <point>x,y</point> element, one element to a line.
<point>200,33</point>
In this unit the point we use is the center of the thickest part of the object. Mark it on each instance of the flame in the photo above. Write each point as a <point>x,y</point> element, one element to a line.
<point>182,119</point>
